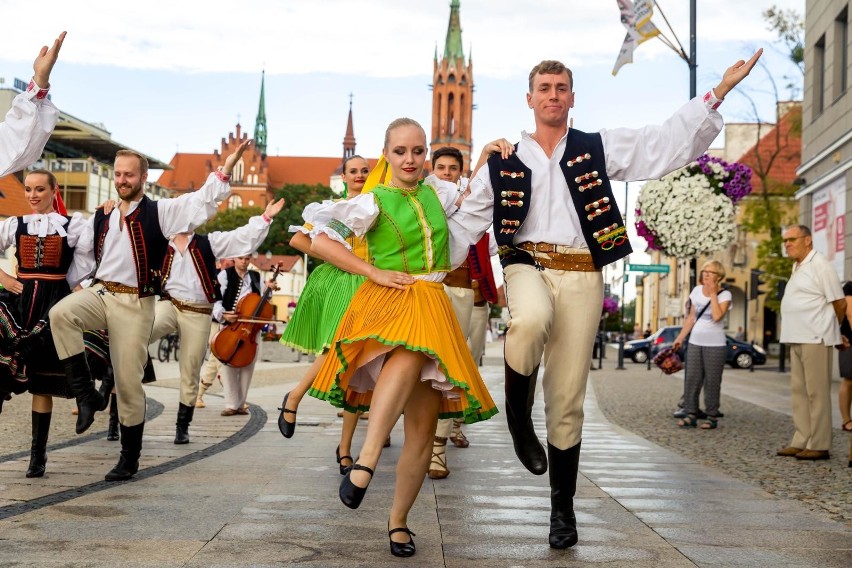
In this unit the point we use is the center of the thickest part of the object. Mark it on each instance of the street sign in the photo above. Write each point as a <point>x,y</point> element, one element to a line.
<point>664,268</point>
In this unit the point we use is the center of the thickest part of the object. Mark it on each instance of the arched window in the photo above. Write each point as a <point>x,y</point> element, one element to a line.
<point>239,169</point>
<point>451,115</point>
<point>235,202</point>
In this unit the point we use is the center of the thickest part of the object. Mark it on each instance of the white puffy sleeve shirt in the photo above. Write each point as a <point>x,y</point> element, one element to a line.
<point>48,224</point>
<point>179,215</point>
<point>631,154</point>
<point>466,224</point>
<point>26,129</point>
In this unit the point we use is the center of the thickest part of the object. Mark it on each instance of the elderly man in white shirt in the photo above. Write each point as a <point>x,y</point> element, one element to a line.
<point>557,225</point>
<point>811,312</point>
<point>126,249</point>
<point>31,120</point>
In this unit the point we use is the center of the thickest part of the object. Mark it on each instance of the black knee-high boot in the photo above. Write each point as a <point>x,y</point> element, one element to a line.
<point>4,396</point>
<point>520,396</point>
<point>184,418</point>
<point>89,400</point>
<point>107,384</point>
<point>112,430</point>
<point>563,485</point>
<point>131,448</point>
<point>38,450</point>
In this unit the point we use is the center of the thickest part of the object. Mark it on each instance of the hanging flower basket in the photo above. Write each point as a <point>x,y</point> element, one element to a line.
<point>690,211</point>
<point>610,305</point>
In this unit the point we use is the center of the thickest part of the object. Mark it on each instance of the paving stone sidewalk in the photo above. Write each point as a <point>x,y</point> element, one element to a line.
<point>268,501</point>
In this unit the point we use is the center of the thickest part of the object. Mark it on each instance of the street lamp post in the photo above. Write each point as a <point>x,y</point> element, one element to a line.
<point>620,366</point>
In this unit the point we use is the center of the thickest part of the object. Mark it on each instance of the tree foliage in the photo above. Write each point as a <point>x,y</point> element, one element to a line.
<point>298,196</point>
<point>790,28</point>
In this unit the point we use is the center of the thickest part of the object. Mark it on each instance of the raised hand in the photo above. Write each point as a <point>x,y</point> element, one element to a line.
<point>736,73</point>
<point>390,278</point>
<point>107,206</point>
<point>273,208</point>
<point>501,145</point>
<point>43,64</point>
<point>232,160</point>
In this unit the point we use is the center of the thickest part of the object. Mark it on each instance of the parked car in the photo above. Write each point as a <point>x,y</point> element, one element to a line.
<point>640,349</point>
<point>739,354</point>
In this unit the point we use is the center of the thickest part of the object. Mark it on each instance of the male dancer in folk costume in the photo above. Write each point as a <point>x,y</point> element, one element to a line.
<point>557,224</point>
<point>126,250</point>
<point>189,291</point>
<point>30,121</point>
<point>234,284</point>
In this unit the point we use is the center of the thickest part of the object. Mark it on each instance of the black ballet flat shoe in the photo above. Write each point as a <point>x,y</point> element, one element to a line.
<point>287,429</point>
<point>343,468</point>
<point>402,549</point>
<point>350,494</point>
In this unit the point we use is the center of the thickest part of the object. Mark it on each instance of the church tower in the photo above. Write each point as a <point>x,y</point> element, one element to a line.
<point>349,137</point>
<point>452,93</point>
<point>260,121</point>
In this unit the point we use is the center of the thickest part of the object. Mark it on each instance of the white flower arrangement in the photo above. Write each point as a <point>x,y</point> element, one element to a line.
<point>685,214</point>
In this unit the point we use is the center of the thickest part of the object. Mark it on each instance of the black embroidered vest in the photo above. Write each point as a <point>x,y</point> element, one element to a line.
<point>232,290</point>
<point>204,262</point>
<point>41,255</point>
<point>146,240</point>
<point>584,166</point>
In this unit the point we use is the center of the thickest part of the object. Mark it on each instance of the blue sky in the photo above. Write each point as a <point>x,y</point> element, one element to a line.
<point>167,76</point>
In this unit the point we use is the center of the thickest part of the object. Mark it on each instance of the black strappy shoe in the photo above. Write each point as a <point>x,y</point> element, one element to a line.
<point>287,429</point>
<point>343,468</point>
<point>350,494</point>
<point>401,549</point>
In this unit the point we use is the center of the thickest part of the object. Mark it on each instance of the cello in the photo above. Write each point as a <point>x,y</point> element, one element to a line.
<point>235,345</point>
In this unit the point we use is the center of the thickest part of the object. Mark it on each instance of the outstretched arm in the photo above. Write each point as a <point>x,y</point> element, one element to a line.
<point>736,73</point>
<point>31,120</point>
<point>245,240</point>
<point>341,257</point>
<point>183,214</point>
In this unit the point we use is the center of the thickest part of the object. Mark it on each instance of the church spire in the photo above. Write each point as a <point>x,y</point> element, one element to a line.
<point>260,122</point>
<point>453,47</point>
<point>349,138</point>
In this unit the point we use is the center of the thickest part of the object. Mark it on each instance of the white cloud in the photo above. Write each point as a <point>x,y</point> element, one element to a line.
<point>384,38</point>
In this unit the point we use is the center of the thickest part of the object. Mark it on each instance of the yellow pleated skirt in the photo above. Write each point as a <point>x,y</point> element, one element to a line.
<point>419,318</point>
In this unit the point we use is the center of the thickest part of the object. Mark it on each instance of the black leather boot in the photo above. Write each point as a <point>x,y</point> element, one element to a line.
<point>563,485</point>
<point>4,396</point>
<point>112,429</point>
<point>89,400</point>
<point>107,384</point>
<point>520,395</point>
<point>131,448</point>
<point>38,451</point>
<point>148,374</point>
<point>182,425</point>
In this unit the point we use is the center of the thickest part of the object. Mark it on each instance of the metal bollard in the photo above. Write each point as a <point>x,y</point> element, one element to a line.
<point>620,354</point>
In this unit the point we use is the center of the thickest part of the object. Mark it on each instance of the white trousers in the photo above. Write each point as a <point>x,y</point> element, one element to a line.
<point>554,314</point>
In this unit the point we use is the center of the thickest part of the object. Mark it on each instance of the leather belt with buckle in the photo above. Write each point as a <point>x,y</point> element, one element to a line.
<point>118,288</point>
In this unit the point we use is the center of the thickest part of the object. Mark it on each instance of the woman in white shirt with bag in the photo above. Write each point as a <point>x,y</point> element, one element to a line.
<point>707,350</point>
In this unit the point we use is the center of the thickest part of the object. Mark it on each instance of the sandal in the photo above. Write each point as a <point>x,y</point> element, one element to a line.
<point>847,426</point>
<point>690,421</point>
<point>438,465</point>
<point>710,424</point>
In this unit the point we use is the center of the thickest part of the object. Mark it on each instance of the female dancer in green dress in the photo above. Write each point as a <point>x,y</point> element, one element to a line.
<point>321,305</point>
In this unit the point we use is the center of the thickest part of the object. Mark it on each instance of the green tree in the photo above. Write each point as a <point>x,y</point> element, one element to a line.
<point>790,28</point>
<point>298,196</point>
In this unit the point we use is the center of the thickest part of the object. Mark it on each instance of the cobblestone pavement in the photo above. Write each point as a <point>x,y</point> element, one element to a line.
<point>743,445</point>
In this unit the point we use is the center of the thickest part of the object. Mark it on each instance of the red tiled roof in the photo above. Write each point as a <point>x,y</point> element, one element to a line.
<point>286,261</point>
<point>778,153</point>
<point>13,202</point>
<point>191,170</point>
